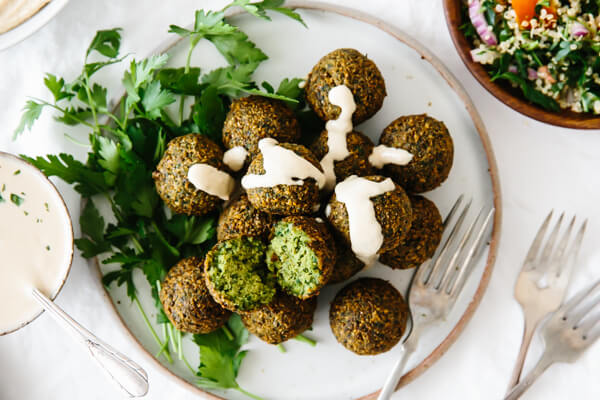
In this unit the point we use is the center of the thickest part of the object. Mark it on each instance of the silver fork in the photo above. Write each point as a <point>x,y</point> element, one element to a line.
<point>567,334</point>
<point>554,265</point>
<point>437,283</point>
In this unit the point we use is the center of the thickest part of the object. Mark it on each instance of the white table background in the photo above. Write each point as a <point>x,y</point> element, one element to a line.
<point>541,168</point>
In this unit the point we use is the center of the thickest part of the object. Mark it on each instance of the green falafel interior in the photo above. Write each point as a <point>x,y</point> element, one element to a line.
<point>295,263</point>
<point>237,273</point>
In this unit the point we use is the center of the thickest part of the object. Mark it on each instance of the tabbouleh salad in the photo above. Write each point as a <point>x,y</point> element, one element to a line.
<point>548,48</point>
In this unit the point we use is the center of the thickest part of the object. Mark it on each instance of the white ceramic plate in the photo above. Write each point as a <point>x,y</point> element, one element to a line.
<point>416,83</point>
<point>31,25</point>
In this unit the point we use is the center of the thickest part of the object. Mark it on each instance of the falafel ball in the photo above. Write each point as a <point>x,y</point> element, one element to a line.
<point>302,256</point>
<point>368,316</point>
<point>186,300</point>
<point>430,143</point>
<point>347,264</point>
<point>240,218</point>
<point>170,177</point>
<point>422,240</point>
<point>282,319</point>
<point>236,275</point>
<point>357,162</point>
<point>392,210</point>
<point>256,117</point>
<point>345,67</point>
<point>285,199</point>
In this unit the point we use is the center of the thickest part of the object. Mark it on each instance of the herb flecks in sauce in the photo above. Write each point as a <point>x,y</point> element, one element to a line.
<point>16,199</point>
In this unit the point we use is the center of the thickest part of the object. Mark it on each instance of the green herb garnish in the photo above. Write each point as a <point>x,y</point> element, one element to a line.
<point>17,172</point>
<point>127,143</point>
<point>16,199</point>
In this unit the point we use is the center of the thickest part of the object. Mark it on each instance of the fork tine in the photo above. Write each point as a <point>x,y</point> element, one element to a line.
<point>452,266</point>
<point>469,260</point>
<point>439,257</point>
<point>453,210</point>
<point>577,299</point>
<point>589,324</point>
<point>581,310</point>
<point>568,259</point>
<point>559,255</point>
<point>420,274</point>
<point>549,247</point>
<point>537,241</point>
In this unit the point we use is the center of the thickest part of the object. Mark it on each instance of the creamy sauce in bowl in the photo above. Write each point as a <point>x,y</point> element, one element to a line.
<point>36,241</point>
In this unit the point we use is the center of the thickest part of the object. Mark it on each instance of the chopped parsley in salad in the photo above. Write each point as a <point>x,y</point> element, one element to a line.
<point>550,49</point>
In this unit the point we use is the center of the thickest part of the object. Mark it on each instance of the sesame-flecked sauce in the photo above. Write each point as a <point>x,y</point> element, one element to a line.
<point>337,130</point>
<point>282,167</point>
<point>36,241</point>
<point>383,155</point>
<point>211,180</point>
<point>365,231</point>
<point>235,158</point>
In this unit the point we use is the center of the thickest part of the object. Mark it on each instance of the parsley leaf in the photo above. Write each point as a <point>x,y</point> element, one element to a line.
<point>31,112</point>
<point>221,357</point>
<point>92,225</point>
<point>530,92</point>
<point>258,9</point>
<point>64,166</point>
<point>106,42</point>
<point>155,99</point>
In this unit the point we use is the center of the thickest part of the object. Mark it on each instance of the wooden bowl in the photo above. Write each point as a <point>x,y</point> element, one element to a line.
<point>503,91</point>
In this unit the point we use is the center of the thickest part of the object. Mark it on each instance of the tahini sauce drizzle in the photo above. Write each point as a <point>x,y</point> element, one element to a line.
<point>365,231</point>
<point>211,180</point>
<point>235,158</point>
<point>282,167</point>
<point>383,155</point>
<point>337,130</point>
<point>36,241</point>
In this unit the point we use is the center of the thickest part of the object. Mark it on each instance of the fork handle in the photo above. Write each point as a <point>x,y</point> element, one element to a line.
<point>541,366</point>
<point>529,330</point>
<point>392,380</point>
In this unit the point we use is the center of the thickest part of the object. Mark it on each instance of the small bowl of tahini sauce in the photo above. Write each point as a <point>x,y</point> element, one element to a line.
<point>36,241</point>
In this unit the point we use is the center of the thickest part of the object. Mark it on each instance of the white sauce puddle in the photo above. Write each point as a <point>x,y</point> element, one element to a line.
<point>36,241</point>
<point>282,167</point>
<point>337,130</point>
<point>383,155</point>
<point>365,231</point>
<point>211,180</point>
<point>235,158</point>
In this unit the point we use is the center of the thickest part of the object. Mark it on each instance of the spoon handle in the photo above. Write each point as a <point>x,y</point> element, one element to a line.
<point>127,374</point>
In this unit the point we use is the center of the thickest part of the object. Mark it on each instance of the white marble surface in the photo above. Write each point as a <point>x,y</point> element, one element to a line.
<point>541,167</point>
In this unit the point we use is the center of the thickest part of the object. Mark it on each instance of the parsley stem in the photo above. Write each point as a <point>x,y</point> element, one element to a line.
<point>252,396</point>
<point>181,105</point>
<point>189,57</point>
<point>179,347</point>
<point>281,348</point>
<point>152,331</point>
<point>228,333</point>
<point>302,338</point>
<point>161,237</point>
<point>62,110</point>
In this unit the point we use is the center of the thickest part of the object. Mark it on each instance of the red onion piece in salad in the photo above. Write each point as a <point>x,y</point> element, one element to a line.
<point>578,30</point>
<point>513,69</point>
<point>481,26</point>
<point>532,74</point>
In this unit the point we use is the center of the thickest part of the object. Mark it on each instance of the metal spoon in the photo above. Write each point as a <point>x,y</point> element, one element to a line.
<point>128,375</point>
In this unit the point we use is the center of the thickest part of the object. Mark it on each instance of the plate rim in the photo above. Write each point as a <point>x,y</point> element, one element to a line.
<point>32,24</point>
<point>493,172</point>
